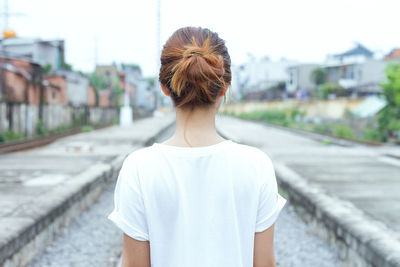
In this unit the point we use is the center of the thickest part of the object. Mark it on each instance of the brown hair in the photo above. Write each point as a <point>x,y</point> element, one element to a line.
<point>195,67</point>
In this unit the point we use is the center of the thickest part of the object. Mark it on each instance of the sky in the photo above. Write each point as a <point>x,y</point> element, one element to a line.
<point>126,30</point>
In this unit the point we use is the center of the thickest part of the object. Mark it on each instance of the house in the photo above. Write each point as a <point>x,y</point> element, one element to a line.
<point>20,80</point>
<point>55,90</point>
<point>300,78</point>
<point>77,87</point>
<point>39,51</point>
<point>141,93</point>
<point>92,98</point>
<point>109,72</point>
<point>394,54</point>
<point>356,70</point>
<point>105,98</point>
<point>263,74</point>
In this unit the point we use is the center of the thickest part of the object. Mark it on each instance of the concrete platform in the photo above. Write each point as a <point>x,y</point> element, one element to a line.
<point>41,190</point>
<point>351,194</point>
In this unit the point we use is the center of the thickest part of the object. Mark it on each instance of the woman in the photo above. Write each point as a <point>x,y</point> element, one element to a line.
<point>196,199</point>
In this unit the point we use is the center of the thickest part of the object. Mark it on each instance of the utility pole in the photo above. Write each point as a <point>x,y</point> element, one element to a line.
<point>6,15</point>
<point>158,55</point>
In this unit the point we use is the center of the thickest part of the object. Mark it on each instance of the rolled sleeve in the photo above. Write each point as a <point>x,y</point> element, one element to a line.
<point>270,201</point>
<point>129,212</point>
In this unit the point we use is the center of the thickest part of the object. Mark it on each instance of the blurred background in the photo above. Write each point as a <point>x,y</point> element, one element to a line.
<point>79,86</point>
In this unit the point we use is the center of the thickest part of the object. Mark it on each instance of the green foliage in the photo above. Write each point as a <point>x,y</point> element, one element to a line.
<point>151,81</point>
<point>97,81</point>
<point>86,128</point>
<point>323,128</point>
<point>389,118</point>
<point>66,66</point>
<point>47,68</point>
<point>41,129</point>
<point>328,88</point>
<point>9,136</point>
<point>280,117</point>
<point>326,142</point>
<point>115,121</point>
<point>319,76</point>
<point>132,67</point>
<point>343,131</point>
<point>371,134</point>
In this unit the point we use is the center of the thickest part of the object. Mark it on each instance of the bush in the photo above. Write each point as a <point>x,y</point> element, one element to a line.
<point>323,128</point>
<point>41,129</point>
<point>343,131</point>
<point>9,136</point>
<point>87,128</point>
<point>373,135</point>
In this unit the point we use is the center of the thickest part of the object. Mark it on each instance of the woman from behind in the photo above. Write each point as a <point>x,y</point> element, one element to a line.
<point>197,199</point>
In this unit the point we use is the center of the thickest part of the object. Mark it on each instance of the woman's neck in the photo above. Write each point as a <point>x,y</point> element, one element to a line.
<point>195,128</point>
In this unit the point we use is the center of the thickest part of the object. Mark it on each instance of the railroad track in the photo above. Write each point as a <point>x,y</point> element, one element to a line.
<point>39,141</point>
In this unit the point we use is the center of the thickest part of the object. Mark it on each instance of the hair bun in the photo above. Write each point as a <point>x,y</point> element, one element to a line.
<point>199,65</point>
<point>195,67</point>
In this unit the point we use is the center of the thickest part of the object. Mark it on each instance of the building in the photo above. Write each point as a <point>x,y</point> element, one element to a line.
<point>356,70</point>
<point>36,50</point>
<point>300,78</point>
<point>77,87</point>
<point>20,80</point>
<point>259,75</point>
<point>56,90</point>
<point>393,55</point>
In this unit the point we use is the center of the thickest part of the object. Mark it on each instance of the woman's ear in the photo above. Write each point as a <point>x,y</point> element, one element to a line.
<point>223,91</point>
<point>165,90</point>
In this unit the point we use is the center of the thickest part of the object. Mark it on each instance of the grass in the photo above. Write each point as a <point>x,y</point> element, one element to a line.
<point>295,119</point>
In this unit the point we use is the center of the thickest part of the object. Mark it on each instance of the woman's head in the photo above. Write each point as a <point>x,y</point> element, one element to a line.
<point>195,67</point>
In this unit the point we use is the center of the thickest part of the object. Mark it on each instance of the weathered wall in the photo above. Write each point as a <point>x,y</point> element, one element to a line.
<point>24,118</point>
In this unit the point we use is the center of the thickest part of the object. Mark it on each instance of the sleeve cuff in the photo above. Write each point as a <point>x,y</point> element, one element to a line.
<point>271,218</point>
<point>128,229</point>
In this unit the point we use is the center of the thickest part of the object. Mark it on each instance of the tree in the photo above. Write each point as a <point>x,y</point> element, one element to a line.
<point>389,117</point>
<point>319,76</point>
<point>132,67</point>
<point>97,81</point>
<point>66,66</point>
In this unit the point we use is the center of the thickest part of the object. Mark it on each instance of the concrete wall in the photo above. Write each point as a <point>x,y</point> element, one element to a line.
<point>333,109</point>
<point>25,118</point>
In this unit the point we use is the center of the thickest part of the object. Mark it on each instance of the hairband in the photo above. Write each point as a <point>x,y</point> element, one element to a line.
<point>196,52</point>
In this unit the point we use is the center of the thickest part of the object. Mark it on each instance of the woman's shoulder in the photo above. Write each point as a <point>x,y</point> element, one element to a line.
<point>139,155</point>
<point>252,152</point>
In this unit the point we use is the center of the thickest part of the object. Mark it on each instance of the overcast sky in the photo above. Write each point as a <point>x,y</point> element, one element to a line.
<point>125,31</point>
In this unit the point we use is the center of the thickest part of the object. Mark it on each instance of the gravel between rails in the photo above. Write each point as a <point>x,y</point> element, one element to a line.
<point>90,240</point>
<point>296,245</point>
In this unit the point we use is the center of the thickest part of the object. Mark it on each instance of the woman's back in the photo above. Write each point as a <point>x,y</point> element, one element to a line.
<point>197,206</point>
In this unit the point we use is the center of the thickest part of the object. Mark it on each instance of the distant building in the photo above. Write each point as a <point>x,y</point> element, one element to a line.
<point>77,87</point>
<point>356,70</point>
<point>300,78</point>
<point>141,93</point>
<point>394,54</point>
<point>109,72</point>
<point>20,80</point>
<point>37,50</point>
<point>55,90</point>
<point>92,98</point>
<point>358,54</point>
<point>261,75</point>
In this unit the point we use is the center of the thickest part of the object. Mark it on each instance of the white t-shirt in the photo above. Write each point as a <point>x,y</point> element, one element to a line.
<point>198,206</point>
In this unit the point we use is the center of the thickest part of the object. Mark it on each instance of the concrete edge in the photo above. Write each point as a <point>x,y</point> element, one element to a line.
<point>89,185</point>
<point>361,240</point>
